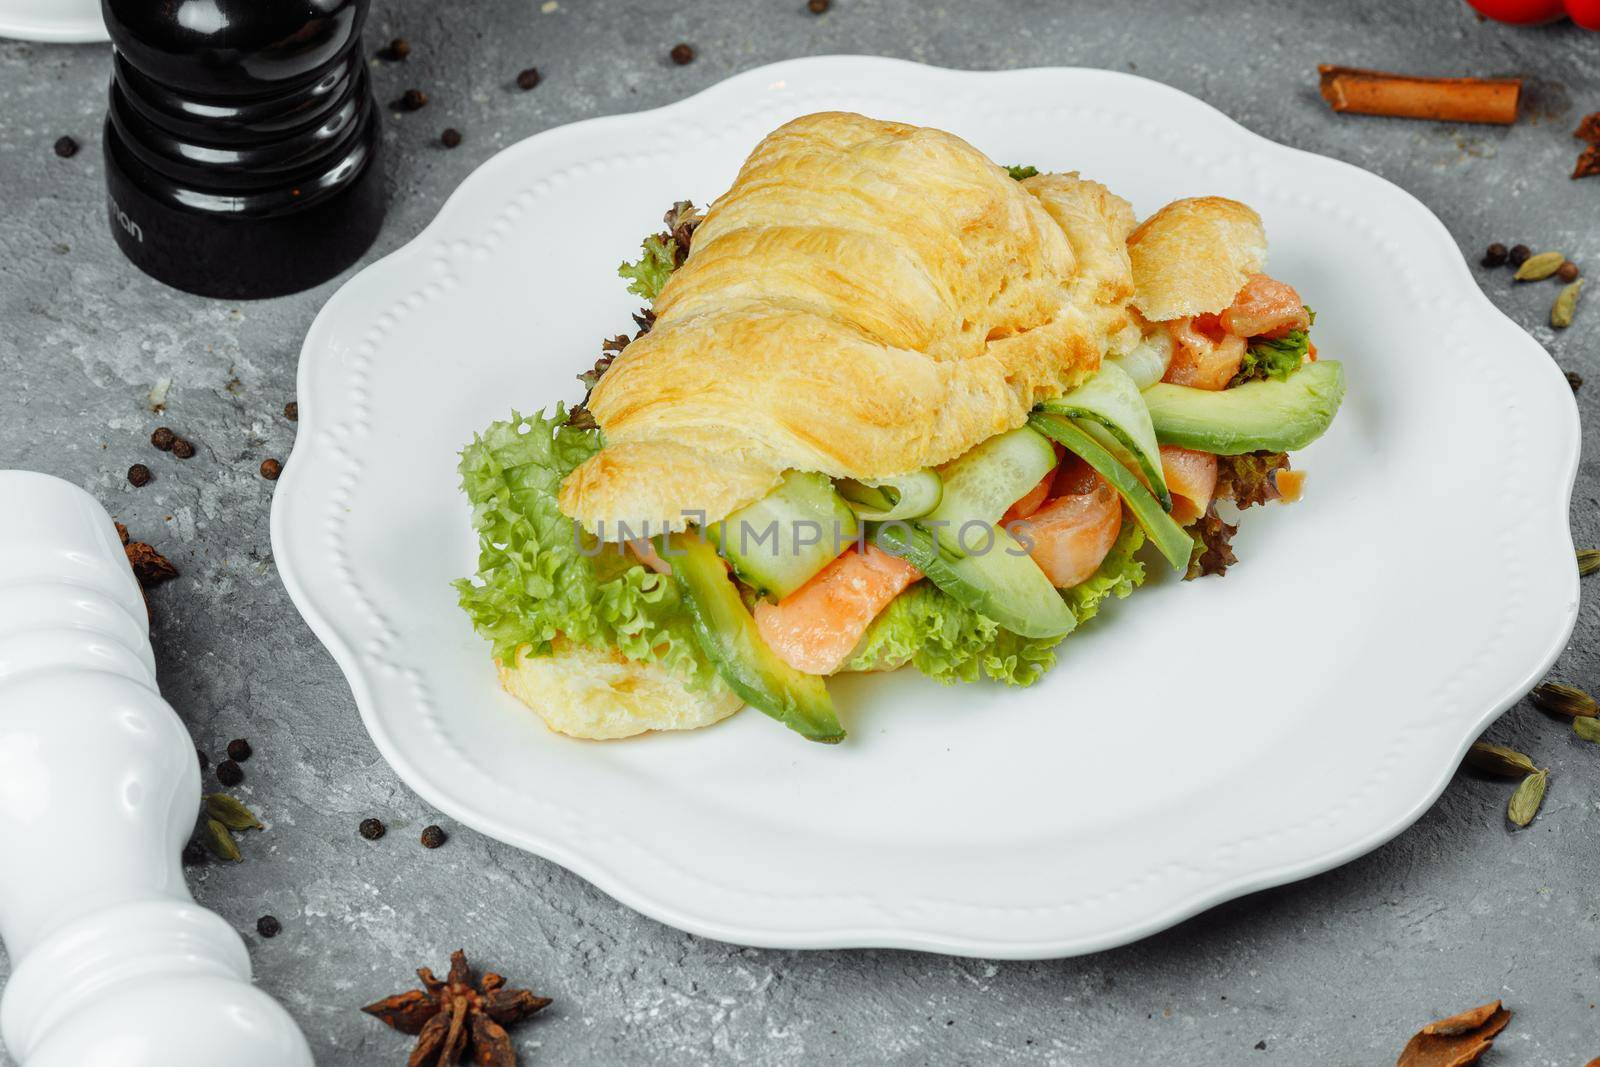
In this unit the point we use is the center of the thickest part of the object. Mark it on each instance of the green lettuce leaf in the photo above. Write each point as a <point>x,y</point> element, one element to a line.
<point>1021,171</point>
<point>948,642</point>
<point>1277,358</point>
<point>538,579</point>
<point>648,274</point>
<point>1119,574</point>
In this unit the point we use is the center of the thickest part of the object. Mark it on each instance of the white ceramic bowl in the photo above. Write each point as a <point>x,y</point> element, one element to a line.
<point>53,21</point>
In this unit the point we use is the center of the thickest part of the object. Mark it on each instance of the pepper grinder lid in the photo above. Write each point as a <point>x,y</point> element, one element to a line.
<point>241,142</point>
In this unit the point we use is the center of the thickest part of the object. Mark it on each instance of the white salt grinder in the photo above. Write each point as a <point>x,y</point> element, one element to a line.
<point>113,963</point>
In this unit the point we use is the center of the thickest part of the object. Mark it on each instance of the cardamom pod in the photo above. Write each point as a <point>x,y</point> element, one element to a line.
<point>1566,303</point>
<point>219,841</point>
<point>1539,266</point>
<point>1561,699</point>
<point>1525,801</point>
<point>1588,561</point>
<point>230,812</point>
<point>1588,729</point>
<point>1498,759</point>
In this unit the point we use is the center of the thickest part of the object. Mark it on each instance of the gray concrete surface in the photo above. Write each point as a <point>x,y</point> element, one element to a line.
<point>1338,969</point>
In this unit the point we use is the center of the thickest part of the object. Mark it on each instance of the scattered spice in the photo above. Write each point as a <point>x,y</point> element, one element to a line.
<point>396,50</point>
<point>1525,801</point>
<point>1575,380</point>
<point>412,100</point>
<point>1458,1041</point>
<point>291,411</point>
<point>1518,255</point>
<point>1375,92</point>
<point>1540,266</point>
<point>269,926</point>
<point>219,815</point>
<point>271,468</point>
<point>139,475</point>
<point>1499,760</point>
<point>183,448</point>
<point>229,772</point>
<point>1566,305</point>
<point>527,79</point>
<point>682,54</point>
<point>1494,255</point>
<point>194,854</point>
<point>1588,163</point>
<point>66,147</point>
<point>451,137</point>
<point>1587,728</point>
<point>149,566</point>
<point>1589,128</point>
<point>457,1019</point>
<point>239,749</point>
<point>1213,549</point>
<point>371,829</point>
<point>1565,700</point>
<point>817,7</point>
<point>163,438</point>
<point>1567,271</point>
<point>433,837</point>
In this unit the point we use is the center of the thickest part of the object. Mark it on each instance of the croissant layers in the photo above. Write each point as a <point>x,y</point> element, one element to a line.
<point>871,298</point>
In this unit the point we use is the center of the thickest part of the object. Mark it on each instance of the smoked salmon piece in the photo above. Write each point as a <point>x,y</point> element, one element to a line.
<point>1070,535</point>
<point>1204,354</point>
<point>814,628</point>
<point>1191,478</point>
<point>1265,307</point>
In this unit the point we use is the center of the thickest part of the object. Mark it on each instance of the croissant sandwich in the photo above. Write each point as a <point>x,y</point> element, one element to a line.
<point>889,403</point>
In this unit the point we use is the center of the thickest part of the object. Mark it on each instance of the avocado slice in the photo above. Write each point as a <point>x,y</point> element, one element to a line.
<point>1003,582</point>
<point>729,638</point>
<point>770,543</point>
<point>1266,416</point>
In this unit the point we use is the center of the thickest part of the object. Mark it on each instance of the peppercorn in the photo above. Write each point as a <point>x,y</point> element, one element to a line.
<point>139,475</point>
<point>1518,254</point>
<point>268,926</point>
<point>239,749</point>
<point>291,411</point>
<point>66,147</point>
<point>682,54</point>
<point>432,837</point>
<point>270,469</point>
<point>451,137</point>
<point>413,100</point>
<point>396,49</point>
<point>817,7</point>
<point>204,762</point>
<point>1568,271</point>
<point>229,773</point>
<point>183,448</point>
<point>371,829</point>
<point>194,854</point>
<point>163,438</point>
<point>527,79</point>
<point>1575,380</point>
<point>1494,255</point>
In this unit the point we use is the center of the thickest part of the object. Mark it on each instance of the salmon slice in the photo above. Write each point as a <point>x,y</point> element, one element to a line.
<point>1191,478</point>
<point>1070,535</point>
<point>814,628</point>
<point>1030,502</point>
<point>1204,354</point>
<point>1265,307</point>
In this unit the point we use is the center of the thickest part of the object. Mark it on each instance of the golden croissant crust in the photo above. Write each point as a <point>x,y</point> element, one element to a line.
<point>869,298</point>
<point>1193,256</point>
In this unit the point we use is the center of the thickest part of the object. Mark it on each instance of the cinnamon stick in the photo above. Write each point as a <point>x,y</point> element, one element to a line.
<point>1374,92</point>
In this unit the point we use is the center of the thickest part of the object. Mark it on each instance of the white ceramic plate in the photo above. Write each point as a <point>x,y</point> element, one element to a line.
<point>1198,741</point>
<point>52,21</point>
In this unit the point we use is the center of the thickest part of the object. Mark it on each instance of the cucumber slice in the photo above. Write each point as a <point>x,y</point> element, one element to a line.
<point>981,484</point>
<point>905,497</point>
<point>1003,583</point>
<point>1169,537</point>
<point>729,638</point>
<point>1110,403</point>
<point>1271,416</point>
<point>780,541</point>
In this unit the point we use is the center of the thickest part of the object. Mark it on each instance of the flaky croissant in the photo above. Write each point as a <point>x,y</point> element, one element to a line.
<point>868,299</point>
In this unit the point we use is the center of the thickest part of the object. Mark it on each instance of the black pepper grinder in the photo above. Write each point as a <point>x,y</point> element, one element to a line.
<point>242,142</point>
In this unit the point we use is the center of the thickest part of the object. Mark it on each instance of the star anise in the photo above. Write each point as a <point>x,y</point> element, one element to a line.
<point>454,1018</point>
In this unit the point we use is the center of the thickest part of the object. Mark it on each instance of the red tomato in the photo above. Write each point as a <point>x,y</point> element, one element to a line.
<point>1585,13</point>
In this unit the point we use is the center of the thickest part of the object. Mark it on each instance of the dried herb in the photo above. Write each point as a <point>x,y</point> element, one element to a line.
<point>456,1019</point>
<point>1213,549</point>
<point>1587,728</point>
<point>1588,558</point>
<point>1458,1041</point>
<point>1251,478</point>
<point>1018,173</point>
<point>1566,305</point>
<point>1499,760</point>
<point>1539,266</point>
<point>1525,801</point>
<point>1566,700</point>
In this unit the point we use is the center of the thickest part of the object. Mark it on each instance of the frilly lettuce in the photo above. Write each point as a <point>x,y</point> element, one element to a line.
<point>1119,574</point>
<point>535,581</point>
